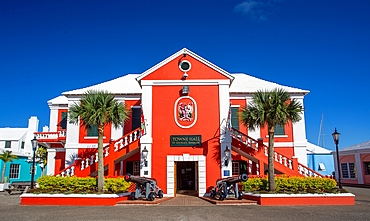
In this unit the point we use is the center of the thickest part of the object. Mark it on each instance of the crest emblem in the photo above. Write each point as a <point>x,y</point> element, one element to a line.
<point>185,112</point>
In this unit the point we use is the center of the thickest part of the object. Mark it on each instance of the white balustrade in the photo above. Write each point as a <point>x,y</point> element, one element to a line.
<point>82,164</point>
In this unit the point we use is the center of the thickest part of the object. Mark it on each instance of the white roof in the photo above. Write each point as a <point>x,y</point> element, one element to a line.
<point>314,149</point>
<point>122,85</point>
<point>244,83</point>
<point>360,146</point>
<point>127,84</point>
<point>12,133</point>
<point>58,100</point>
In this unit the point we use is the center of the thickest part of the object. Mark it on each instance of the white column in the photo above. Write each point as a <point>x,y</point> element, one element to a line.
<point>255,134</point>
<point>225,138</point>
<point>73,130</point>
<point>50,166</point>
<point>147,140</point>
<point>299,133</point>
<point>53,118</point>
<point>360,178</point>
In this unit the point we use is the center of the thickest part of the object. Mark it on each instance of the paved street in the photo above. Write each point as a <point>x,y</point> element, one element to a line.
<point>11,210</point>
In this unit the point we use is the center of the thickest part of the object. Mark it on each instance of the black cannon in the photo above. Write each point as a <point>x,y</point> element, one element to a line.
<point>227,187</point>
<point>145,188</point>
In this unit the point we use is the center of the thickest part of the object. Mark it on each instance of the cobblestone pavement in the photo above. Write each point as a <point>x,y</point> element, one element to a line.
<point>192,209</point>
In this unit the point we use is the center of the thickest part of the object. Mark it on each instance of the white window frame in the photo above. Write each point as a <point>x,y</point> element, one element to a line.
<point>347,171</point>
<point>16,171</point>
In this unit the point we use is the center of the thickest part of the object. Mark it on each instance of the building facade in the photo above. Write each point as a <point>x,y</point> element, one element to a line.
<point>354,164</point>
<point>18,140</point>
<point>192,135</point>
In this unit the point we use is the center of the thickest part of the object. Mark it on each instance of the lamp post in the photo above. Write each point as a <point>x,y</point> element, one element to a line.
<point>336,136</point>
<point>145,156</point>
<point>34,142</point>
<point>227,156</point>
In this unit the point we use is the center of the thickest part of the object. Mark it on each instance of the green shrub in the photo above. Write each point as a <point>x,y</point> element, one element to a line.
<point>292,185</point>
<point>82,185</point>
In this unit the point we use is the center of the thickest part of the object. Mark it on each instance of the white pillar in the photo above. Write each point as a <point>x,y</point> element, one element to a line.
<point>299,132</point>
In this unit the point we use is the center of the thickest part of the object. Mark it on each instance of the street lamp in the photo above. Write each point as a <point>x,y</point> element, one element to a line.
<point>336,136</point>
<point>227,156</point>
<point>34,142</point>
<point>145,156</point>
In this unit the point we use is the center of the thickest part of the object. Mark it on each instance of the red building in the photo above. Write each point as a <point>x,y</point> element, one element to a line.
<point>185,102</point>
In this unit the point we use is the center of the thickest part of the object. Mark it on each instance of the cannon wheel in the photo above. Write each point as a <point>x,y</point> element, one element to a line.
<point>240,197</point>
<point>160,193</point>
<point>132,196</point>
<point>221,197</point>
<point>151,196</point>
<point>213,194</point>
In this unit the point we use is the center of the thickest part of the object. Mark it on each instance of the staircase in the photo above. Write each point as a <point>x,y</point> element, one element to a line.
<point>256,151</point>
<point>115,151</point>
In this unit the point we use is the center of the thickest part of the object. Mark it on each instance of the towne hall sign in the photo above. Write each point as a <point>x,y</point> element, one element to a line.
<point>185,140</point>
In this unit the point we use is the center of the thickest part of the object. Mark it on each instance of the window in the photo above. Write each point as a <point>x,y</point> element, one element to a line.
<point>322,167</point>
<point>236,168</point>
<point>14,171</point>
<point>348,170</point>
<point>279,130</point>
<point>92,131</point>
<point>8,144</point>
<point>22,145</point>
<point>136,171</point>
<point>367,168</point>
<point>63,122</point>
<point>235,117</point>
<point>136,117</point>
<point>133,167</point>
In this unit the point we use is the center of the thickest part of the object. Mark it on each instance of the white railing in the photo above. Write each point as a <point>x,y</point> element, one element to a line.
<point>279,158</point>
<point>90,160</point>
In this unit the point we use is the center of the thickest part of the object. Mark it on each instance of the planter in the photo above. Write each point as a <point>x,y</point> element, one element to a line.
<point>72,199</point>
<point>4,186</point>
<point>302,199</point>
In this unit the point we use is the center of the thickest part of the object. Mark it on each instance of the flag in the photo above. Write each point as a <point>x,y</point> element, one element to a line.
<point>228,122</point>
<point>143,131</point>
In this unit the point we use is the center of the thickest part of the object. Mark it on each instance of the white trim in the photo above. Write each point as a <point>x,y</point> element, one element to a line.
<point>184,82</point>
<point>281,144</point>
<point>181,53</point>
<point>278,136</point>
<point>185,61</point>
<point>195,111</point>
<point>92,137</point>
<point>202,187</point>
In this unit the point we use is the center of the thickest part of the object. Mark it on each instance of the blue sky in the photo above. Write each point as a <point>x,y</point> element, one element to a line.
<point>48,47</point>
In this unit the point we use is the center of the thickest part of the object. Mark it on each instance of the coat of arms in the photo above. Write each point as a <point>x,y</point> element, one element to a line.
<point>185,112</point>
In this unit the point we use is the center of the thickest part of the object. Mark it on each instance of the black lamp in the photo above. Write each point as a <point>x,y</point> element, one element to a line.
<point>336,136</point>
<point>227,156</point>
<point>34,142</point>
<point>145,156</point>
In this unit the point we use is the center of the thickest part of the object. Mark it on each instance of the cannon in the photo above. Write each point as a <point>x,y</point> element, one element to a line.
<point>228,187</point>
<point>145,187</point>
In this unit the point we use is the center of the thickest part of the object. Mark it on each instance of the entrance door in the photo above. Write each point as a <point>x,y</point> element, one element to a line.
<point>185,171</point>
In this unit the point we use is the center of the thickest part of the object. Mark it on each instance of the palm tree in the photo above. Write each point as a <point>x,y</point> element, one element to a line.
<point>98,109</point>
<point>271,108</point>
<point>42,155</point>
<point>6,156</point>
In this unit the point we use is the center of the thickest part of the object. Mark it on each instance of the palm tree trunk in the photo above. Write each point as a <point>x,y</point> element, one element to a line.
<point>271,156</point>
<point>3,173</point>
<point>100,160</point>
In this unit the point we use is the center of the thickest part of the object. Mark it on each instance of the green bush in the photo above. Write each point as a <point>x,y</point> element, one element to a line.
<point>292,185</point>
<point>69,185</point>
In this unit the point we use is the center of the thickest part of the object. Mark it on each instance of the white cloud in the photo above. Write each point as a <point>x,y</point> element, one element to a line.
<point>256,9</point>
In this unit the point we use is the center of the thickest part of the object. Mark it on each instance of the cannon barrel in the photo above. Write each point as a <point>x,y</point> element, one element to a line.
<point>234,179</point>
<point>139,180</point>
